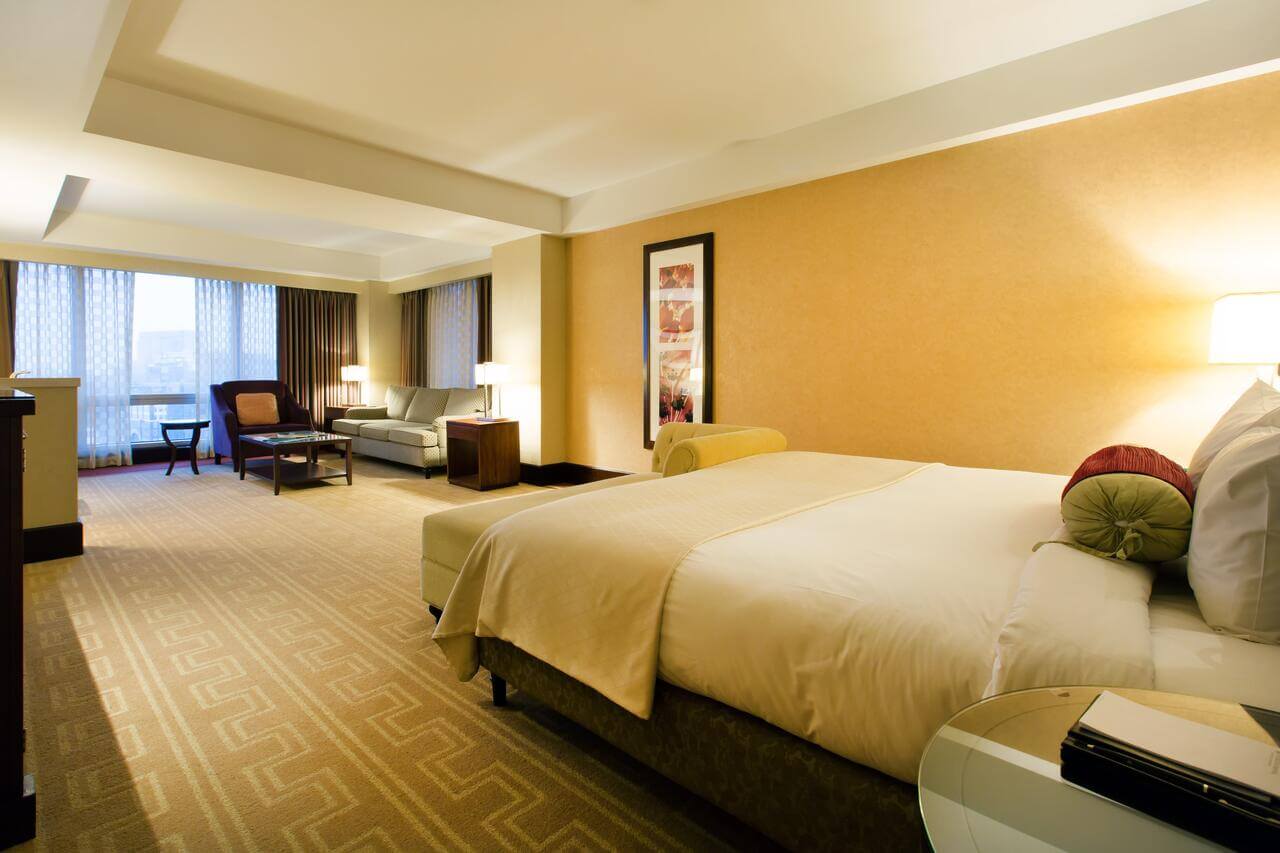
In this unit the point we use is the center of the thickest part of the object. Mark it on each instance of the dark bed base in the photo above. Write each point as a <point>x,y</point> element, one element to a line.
<point>798,794</point>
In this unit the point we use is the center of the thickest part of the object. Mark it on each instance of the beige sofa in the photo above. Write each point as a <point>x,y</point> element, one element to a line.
<point>447,537</point>
<point>410,426</point>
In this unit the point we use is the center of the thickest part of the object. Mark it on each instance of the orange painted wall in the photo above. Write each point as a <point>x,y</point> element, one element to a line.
<point>1016,303</point>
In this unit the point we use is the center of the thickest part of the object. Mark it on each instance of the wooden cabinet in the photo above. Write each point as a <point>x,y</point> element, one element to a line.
<point>483,454</point>
<point>17,790</point>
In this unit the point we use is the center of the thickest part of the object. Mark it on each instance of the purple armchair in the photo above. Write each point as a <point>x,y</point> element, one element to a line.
<point>226,426</point>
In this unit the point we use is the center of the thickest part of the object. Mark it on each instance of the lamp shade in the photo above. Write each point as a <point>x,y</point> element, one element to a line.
<point>355,373</point>
<point>1246,329</point>
<point>492,373</point>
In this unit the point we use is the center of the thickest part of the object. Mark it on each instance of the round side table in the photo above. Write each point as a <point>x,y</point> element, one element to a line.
<point>990,778</point>
<point>179,426</point>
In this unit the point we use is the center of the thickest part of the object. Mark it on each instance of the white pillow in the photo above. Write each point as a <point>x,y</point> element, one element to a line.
<point>1234,560</point>
<point>1254,404</point>
<point>398,399</point>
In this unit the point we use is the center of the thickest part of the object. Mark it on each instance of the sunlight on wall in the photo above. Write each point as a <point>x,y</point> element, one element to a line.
<point>1015,303</point>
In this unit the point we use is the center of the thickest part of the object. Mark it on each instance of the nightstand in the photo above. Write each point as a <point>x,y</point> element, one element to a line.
<point>483,454</point>
<point>990,779</point>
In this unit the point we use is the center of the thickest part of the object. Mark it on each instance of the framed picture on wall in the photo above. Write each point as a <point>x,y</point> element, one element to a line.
<point>677,332</point>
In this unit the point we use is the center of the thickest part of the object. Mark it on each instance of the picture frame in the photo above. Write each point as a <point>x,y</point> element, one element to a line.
<point>678,285</point>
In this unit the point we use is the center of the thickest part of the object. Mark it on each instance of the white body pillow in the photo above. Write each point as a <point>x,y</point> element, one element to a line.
<point>1254,404</point>
<point>1075,619</point>
<point>1234,560</point>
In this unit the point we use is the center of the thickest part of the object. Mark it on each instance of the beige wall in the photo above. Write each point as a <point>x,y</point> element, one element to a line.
<point>553,355</point>
<point>1017,302</point>
<point>528,334</point>
<point>379,339</point>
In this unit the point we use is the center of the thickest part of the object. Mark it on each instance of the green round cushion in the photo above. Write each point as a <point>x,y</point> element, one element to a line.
<point>1129,517</point>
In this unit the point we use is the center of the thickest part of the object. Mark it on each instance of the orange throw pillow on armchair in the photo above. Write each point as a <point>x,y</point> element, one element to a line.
<point>257,409</point>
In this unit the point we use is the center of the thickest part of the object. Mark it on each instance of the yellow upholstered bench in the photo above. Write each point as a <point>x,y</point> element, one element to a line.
<point>681,448</point>
<point>447,537</point>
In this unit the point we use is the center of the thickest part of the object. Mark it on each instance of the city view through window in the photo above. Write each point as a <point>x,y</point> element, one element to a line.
<point>164,353</point>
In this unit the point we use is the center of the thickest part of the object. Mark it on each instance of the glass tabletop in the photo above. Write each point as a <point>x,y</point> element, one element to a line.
<point>990,778</point>
<point>275,439</point>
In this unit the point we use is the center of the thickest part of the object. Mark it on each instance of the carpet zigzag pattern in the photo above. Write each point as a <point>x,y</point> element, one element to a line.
<point>225,669</point>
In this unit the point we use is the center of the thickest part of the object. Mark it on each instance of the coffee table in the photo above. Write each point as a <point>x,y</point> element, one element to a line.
<point>279,470</point>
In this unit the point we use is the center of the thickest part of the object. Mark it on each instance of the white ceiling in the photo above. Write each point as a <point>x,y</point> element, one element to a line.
<point>376,140</point>
<point>132,202</point>
<point>579,94</point>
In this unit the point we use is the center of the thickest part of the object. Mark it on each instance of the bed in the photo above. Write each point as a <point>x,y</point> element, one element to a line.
<point>782,633</point>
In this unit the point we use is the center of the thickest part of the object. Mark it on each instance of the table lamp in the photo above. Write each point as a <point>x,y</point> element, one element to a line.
<point>358,374</point>
<point>491,374</point>
<point>1246,330</point>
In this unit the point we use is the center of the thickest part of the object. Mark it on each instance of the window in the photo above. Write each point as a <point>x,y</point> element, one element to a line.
<point>190,333</point>
<point>164,377</point>
<point>145,346</point>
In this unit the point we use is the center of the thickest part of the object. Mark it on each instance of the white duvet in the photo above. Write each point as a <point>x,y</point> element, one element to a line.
<point>865,624</point>
<point>861,621</point>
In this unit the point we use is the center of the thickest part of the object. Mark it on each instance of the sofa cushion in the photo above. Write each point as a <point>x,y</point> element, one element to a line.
<point>414,436</point>
<point>465,401</point>
<point>349,426</point>
<point>257,409</point>
<point>399,398</point>
<point>381,430</point>
<point>428,404</point>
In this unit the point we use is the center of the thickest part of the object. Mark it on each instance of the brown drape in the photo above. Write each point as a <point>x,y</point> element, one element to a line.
<point>484,305</point>
<point>8,314</point>
<point>413,338</point>
<point>317,337</point>
<point>414,330</point>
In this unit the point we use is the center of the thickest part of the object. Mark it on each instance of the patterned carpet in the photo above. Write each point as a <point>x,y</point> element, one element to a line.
<point>225,669</point>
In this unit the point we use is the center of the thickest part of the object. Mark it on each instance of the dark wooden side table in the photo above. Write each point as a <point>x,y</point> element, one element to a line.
<point>179,426</point>
<point>483,454</point>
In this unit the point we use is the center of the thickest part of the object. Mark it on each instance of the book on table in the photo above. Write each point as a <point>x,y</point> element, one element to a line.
<point>1215,783</point>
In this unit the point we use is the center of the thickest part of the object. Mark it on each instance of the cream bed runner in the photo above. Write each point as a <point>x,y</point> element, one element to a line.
<point>580,583</point>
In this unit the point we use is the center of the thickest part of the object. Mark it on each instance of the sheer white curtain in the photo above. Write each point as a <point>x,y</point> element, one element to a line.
<point>452,335</point>
<point>259,333</point>
<point>48,310</point>
<point>72,321</point>
<point>235,338</point>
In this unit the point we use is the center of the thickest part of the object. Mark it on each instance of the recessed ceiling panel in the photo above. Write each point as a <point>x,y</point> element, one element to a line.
<point>132,202</point>
<point>580,94</point>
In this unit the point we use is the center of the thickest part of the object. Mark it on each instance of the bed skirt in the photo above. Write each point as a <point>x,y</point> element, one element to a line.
<point>798,794</point>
